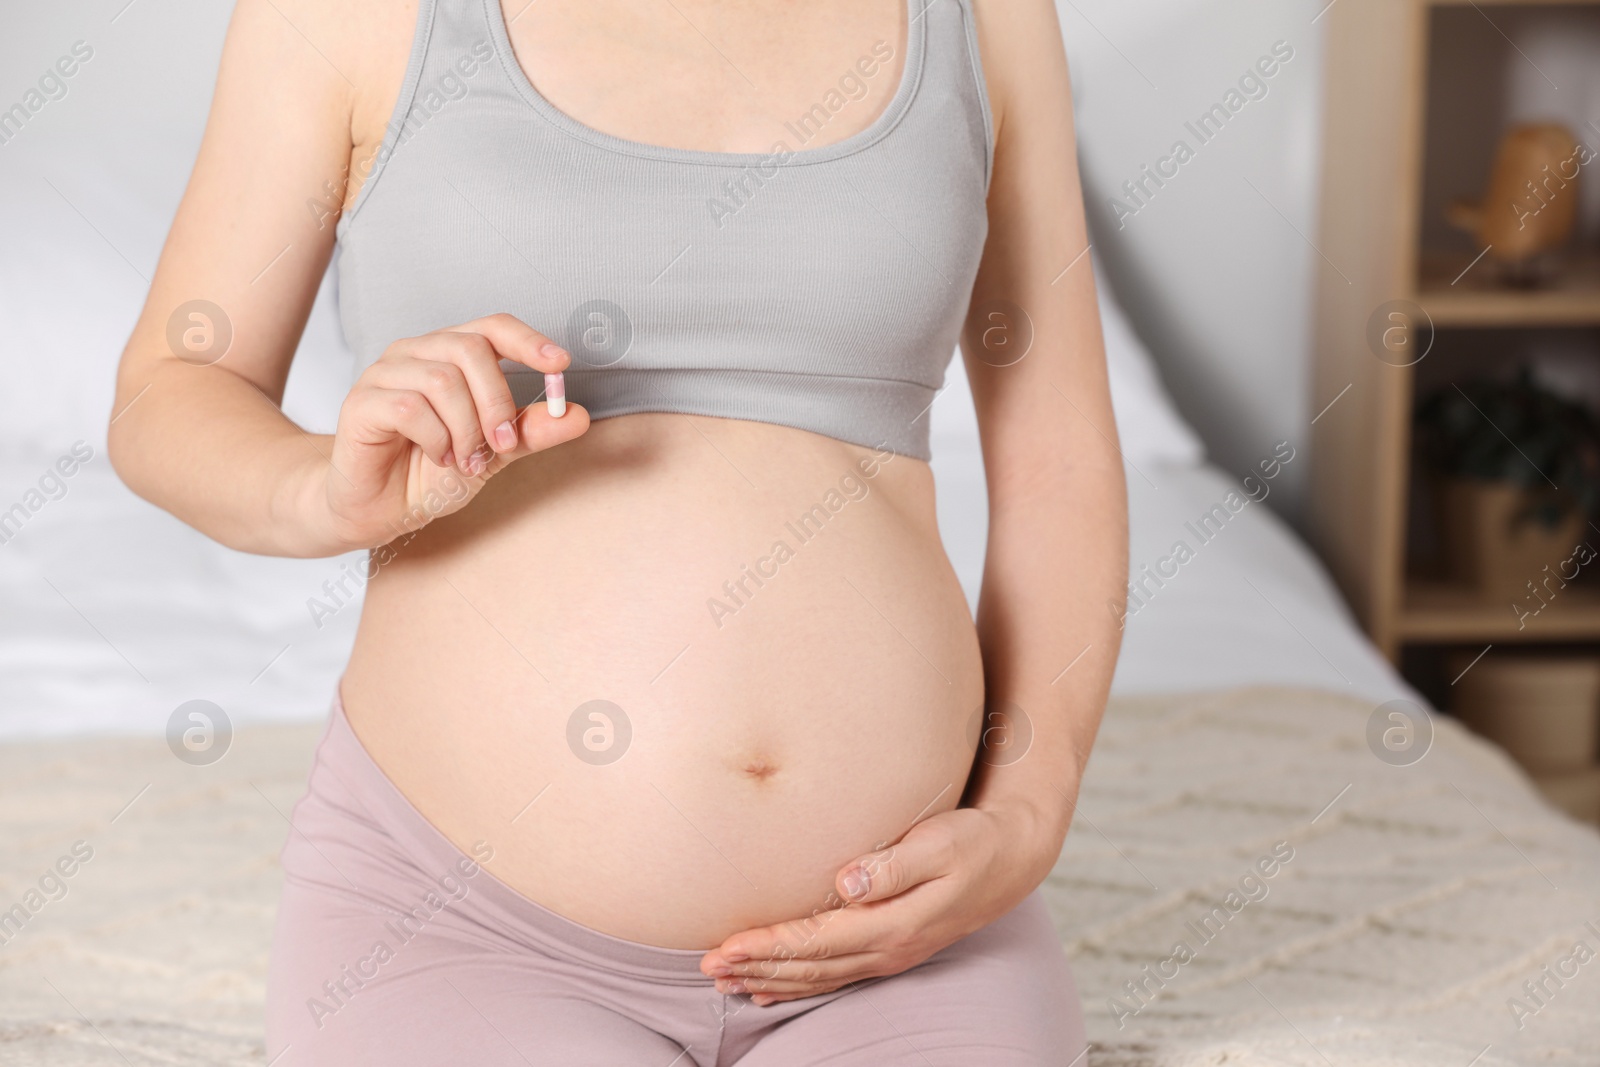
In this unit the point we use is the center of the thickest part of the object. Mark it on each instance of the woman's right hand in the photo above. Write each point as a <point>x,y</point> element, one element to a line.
<point>429,423</point>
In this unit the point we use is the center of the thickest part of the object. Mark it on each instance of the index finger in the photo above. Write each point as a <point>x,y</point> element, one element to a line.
<point>515,340</point>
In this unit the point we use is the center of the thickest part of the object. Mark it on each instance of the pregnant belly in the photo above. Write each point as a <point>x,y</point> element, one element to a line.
<point>675,674</point>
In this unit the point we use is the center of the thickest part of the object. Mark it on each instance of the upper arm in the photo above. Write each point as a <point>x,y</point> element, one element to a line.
<point>255,228</point>
<point>1053,405</point>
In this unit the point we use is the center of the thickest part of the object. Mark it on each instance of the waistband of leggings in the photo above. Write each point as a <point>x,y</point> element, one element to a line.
<point>515,914</point>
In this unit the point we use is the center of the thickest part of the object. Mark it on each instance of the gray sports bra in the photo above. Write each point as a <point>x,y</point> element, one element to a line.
<point>821,288</point>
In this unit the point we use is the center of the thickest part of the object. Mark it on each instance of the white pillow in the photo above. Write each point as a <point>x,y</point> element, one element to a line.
<point>1150,428</point>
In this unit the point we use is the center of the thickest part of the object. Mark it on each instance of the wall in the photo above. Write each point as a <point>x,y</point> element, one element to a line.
<point>1216,265</point>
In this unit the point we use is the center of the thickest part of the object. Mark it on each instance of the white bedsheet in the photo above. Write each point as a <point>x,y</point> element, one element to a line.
<point>1253,606</point>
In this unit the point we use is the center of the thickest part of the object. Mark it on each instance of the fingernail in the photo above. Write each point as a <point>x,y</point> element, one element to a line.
<point>505,437</point>
<point>736,987</point>
<point>857,884</point>
<point>555,394</point>
<point>721,972</point>
<point>735,957</point>
<point>448,459</point>
<point>553,351</point>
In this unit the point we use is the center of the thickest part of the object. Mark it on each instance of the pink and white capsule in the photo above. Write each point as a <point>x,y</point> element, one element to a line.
<point>555,394</point>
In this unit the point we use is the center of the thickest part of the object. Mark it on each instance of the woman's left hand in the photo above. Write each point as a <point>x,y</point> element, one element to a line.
<point>951,874</point>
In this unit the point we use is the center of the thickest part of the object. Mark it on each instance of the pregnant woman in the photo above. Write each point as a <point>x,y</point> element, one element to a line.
<point>668,737</point>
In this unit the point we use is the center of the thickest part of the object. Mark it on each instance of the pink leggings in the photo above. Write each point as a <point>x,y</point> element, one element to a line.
<point>393,947</point>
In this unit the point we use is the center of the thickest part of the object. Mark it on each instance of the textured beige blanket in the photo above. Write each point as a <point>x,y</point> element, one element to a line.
<point>1414,916</point>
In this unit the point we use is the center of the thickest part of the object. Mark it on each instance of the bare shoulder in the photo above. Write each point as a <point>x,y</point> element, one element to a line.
<point>363,45</point>
<point>1021,46</point>
<point>301,85</point>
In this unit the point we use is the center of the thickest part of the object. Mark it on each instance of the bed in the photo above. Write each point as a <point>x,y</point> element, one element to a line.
<point>1427,913</point>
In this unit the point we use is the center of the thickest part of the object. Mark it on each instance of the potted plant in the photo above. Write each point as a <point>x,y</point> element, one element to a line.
<point>1517,475</point>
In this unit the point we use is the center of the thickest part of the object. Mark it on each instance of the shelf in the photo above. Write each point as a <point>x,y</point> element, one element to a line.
<point>1436,612</point>
<point>1511,3</point>
<point>1475,301</point>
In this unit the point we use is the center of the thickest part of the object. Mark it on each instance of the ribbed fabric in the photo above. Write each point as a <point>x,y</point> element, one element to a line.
<point>820,288</point>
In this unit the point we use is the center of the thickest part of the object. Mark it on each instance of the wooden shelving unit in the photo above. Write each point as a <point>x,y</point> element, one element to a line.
<point>1380,242</point>
<point>1433,612</point>
<point>1454,292</point>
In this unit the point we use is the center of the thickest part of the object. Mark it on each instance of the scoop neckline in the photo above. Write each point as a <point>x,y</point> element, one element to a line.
<point>910,76</point>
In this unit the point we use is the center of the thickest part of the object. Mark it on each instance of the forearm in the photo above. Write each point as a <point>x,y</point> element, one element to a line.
<point>1057,558</point>
<point>212,449</point>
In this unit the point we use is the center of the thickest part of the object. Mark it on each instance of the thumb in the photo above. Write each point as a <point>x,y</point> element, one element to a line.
<point>537,430</point>
<point>887,872</point>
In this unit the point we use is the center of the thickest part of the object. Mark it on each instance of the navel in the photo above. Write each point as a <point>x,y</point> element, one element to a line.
<point>759,769</point>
